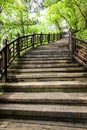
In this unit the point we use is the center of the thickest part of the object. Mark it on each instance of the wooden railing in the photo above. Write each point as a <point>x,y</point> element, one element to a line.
<point>17,47</point>
<point>79,50</point>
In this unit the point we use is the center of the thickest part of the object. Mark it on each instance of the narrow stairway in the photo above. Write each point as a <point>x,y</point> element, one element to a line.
<point>45,84</point>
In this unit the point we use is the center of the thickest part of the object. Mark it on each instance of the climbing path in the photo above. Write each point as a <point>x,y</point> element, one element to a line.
<point>45,84</point>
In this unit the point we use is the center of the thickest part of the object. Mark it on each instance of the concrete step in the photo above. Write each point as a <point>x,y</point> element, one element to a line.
<point>48,75</point>
<point>49,46</point>
<point>16,124</point>
<point>52,65</point>
<point>47,52</point>
<point>14,79</point>
<point>50,49</point>
<point>44,98</point>
<point>61,112</point>
<point>42,61</point>
<point>45,86</point>
<point>54,46</point>
<point>49,70</point>
<point>46,56</point>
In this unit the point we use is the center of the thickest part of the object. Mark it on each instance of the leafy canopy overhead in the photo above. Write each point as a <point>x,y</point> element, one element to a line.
<point>28,16</point>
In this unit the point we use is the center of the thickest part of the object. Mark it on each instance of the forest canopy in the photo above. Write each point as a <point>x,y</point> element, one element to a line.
<point>28,16</point>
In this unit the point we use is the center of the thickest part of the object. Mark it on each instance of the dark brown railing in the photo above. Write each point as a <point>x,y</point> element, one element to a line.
<point>17,47</point>
<point>79,50</point>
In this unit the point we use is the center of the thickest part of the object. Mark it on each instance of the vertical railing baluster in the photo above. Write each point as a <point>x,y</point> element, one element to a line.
<point>49,38</point>
<point>18,46</point>
<point>72,43</point>
<point>4,59</point>
<point>33,40</point>
<point>57,36</point>
<point>41,38</point>
<point>86,55</point>
<point>72,46</point>
<point>60,35</point>
<point>8,55</point>
<point>53,37</point>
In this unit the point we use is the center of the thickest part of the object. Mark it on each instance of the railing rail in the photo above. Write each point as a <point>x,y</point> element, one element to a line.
<point>79,50</point>
<point>17,47</point>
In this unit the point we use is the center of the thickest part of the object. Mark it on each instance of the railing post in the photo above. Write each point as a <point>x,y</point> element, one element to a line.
<point>73,41</point>
<point>49,38</point>
<point>70,36</point>
<point>41,38</point>
<point>4,64</point>
<point>86,55</point>
<point>18,45</point>
<point>73,47</point>
<point>53,37</point>
<point>33,40</point>
<point>57,36</point>
<point>60,35</point>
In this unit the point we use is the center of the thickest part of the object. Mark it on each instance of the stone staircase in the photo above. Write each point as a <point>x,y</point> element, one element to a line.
<point>45,84</point>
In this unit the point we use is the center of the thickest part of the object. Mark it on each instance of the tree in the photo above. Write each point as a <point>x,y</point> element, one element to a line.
<point>28,16</point>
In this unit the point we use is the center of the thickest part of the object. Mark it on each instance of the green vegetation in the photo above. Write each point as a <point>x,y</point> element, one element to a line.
<point>28,16</point>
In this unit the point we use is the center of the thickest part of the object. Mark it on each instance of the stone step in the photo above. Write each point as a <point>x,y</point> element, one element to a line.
<point>49,70</point>
<point>14,79</point>
<point>42,61</point>
<point>52,47</point>
<point>49,75</point>
<point>16,124</point>
<point>45,86</point>
<point>44,49</point>
<point>49,52</point>
<point>45,56</point>
<point>61,112</point>
<point>54,44</point>
<point>45,98</point>
<point>52,65</point>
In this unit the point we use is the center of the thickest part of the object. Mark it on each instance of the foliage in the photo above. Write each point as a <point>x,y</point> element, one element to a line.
<point>28,16</point>
<point>72,11</point>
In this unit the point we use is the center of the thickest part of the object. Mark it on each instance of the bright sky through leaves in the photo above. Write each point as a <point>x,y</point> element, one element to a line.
<point>28,16</point>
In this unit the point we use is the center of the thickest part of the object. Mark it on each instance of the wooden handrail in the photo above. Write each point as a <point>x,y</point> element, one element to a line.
<point>79,50</point>
<point>79,39</point>
<point>17,47</point>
